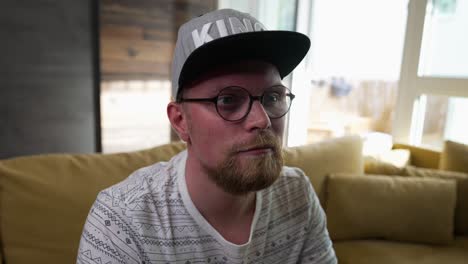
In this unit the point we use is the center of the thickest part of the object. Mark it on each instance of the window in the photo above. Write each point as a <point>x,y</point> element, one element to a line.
<point>274,14</point>
<point>137,40</point>
<point>443,118</point>
<point>133,114</point>
<point>434,87</point>
<point>349,81</point>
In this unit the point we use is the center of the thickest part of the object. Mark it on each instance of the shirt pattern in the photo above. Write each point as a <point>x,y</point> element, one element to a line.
<point>150,218</point>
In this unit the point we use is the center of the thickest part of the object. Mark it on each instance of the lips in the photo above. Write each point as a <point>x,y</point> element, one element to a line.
<point>259,148</point>
<point>263,143</point>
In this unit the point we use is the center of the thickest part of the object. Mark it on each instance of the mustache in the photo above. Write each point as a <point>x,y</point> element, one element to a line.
<point>264,139</point>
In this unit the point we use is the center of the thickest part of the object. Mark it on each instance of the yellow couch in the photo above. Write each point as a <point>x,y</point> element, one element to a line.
<point>44,201</point>
<point>423,163</point>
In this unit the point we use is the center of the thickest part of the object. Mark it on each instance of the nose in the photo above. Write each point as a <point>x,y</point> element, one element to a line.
<point>257,117</point>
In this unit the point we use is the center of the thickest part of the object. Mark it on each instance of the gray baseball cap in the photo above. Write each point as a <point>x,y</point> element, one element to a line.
<point>226,35</point>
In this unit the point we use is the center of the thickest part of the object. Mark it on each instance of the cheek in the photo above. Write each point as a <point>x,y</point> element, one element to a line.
<point>207,135</point>
<point>278,126</point>
<point>210,144</point>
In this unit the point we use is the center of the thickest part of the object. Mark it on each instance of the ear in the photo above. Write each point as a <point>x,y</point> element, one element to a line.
<point>178,120</point>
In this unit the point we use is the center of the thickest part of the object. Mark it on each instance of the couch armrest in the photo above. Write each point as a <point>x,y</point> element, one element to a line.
<point>421,157</point>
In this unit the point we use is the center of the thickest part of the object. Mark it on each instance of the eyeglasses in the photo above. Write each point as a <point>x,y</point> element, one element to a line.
<point>233,103</point>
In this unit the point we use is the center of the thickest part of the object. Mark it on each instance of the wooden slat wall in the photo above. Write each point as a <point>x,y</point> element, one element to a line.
<point>138,36</point>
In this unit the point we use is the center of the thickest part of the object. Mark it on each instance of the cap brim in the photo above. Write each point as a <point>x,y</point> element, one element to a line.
<point>284,49</point>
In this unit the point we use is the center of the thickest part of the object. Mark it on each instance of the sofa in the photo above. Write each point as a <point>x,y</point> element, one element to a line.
<point>44,201</point>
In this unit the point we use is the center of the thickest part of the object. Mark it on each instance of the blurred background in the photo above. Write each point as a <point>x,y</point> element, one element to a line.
<point>94,76</point>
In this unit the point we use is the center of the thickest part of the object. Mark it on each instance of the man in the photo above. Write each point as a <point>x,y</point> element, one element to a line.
<point>227,198</point>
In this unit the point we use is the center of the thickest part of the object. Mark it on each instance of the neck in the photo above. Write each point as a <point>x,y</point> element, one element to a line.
<point>212,200</point>
<point>226,212</point>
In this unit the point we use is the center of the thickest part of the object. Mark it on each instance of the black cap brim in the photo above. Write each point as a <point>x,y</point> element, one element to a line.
<point>284,49</point>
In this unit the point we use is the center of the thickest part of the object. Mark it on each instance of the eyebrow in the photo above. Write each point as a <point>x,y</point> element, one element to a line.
<point>247,88</point>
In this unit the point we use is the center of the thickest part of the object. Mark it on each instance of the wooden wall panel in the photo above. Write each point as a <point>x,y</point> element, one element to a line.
<point>138,36</point>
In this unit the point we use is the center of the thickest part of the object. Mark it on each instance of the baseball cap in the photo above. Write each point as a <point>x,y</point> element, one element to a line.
<point>226,35</point>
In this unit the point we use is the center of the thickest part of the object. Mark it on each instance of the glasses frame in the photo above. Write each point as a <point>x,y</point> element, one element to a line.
<point>252,98</point>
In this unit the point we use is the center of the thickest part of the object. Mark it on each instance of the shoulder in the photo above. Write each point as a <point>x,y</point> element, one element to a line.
<point>293,189</point>
<point>293,173</point>
<point>293,179</point>
<point>142,185</point>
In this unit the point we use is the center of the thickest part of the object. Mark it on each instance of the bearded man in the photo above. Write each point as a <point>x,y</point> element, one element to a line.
<point>227,198</point>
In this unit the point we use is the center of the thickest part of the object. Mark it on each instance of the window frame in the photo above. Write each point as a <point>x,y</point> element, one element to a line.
<point>411,99</point>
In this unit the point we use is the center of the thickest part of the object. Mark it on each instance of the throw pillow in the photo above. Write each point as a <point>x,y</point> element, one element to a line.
<point>454,157</point>
<point>374,166</point>
<point>396,157</point>
<point>342,154</point>
<point>461,208</point>
<point>390,207</point>
<point>421,156</point>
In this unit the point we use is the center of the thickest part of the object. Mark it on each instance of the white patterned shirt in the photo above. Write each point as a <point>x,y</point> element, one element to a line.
<point>150,218</point>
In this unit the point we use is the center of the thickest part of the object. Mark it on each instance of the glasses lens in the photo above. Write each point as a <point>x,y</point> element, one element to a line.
<point>233,103</point>
<point>276,101</point>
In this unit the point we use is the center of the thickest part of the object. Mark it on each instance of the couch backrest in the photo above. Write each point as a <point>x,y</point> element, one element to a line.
<point>421,157</point>
<point>44,200</point>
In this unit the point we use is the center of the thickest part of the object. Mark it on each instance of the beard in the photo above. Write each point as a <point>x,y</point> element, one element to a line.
<point>251,174</point>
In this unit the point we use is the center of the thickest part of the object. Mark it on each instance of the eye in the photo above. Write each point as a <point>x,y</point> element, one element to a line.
<point>227,99</point>
<point>272,97</point>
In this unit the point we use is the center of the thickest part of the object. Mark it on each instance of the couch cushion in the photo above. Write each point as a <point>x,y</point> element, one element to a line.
<point>45,199</point>
<point>454,157</point>
<point>331,156</point>
<point>390,252</point>
<point>390,207</point>
<point>461,208</point>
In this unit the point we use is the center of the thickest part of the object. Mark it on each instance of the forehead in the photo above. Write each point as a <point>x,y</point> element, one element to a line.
<point>251,75</point>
